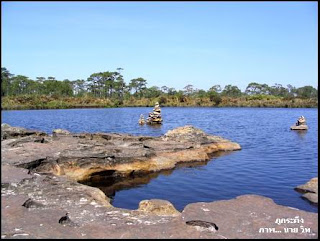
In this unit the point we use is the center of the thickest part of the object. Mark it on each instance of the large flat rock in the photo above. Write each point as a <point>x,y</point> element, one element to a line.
<point>253,216</point>
<point>81,156</point>
<point>247,216</point>
<point>300,127</point>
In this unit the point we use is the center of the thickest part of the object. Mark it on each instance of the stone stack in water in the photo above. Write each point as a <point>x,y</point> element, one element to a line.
<point>141,120</point>
<point>155,116</point>
<point>301,124</point>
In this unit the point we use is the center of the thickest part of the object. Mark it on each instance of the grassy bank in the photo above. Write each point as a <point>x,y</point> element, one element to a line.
<point>50,102</point>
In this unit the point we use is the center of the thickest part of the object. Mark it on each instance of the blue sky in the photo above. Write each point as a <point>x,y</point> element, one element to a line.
<point>167,43</point>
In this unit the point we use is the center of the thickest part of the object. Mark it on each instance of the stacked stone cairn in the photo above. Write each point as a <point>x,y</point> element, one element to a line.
<point>155,116</point>
<point>301,124</point>
<point>141,120</point>
<point>301,121</point>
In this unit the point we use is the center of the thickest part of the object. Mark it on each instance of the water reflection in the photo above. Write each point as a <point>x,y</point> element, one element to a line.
<point>110,184</point>
<point>155,126</point>
<point>301,133</point>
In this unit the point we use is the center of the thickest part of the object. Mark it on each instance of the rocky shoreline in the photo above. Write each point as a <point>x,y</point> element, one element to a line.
<point>40,185</point>
<point>309,190</point>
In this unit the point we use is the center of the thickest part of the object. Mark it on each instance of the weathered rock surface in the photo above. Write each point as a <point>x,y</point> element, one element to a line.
<point>34,201</point>
<point>57,132</point>
<point>82,156</point>
<point>9,132</point>
<point>90,216</point>
<point>310,190</point>
<point>253,216</point>
<point>301,127</point>
<point>158,207</point>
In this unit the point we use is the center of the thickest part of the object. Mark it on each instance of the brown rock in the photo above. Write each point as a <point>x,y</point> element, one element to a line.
<point>58,132</point>
<point>253,216</point>
<point>310,189</point>
<point>300,127</point>
<point>80,156</point>
<point>9,132</point>
<point>158,207</point>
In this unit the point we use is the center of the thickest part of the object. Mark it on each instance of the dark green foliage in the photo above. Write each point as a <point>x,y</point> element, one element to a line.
<point>232,91</point>
<point>108,89</point>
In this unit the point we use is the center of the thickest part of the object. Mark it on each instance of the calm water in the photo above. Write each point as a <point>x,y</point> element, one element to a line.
<point>273,159</point>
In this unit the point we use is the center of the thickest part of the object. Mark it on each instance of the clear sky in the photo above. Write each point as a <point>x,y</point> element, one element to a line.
<point>167,43</point>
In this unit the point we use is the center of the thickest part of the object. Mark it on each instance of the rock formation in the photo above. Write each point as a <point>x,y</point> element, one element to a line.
<point>10,132</point>
<point>32,204</point>
<point>155,116</point>
<point>310,190</point>
<point>60,132</point>
<point>82,156</point>
<point>158,207</point>
<point>301,124</point>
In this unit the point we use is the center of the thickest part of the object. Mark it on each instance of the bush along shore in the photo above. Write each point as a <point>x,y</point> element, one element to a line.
<point>109,89</point>
<point>25,102</point>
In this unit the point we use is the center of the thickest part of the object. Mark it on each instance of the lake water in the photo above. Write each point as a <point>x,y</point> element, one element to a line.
<point>273,159</point>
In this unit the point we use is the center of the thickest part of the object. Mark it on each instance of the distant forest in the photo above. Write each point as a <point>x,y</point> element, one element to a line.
<point>108,89</point>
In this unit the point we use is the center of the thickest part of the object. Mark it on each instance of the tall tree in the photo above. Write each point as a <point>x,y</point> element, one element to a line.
<point>138,85</point>
<point>307,92</point>
<point>216,88</point>
<point>5,82</point>
<point>231,90</point>
<point>255,88</point>
<point>164,89</point>
<point>188,89</point>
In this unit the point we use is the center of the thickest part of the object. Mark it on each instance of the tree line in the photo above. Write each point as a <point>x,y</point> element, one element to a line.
<point>111,85</point>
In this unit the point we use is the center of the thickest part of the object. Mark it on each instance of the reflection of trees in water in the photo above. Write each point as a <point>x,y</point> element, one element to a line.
<point>109,183</point>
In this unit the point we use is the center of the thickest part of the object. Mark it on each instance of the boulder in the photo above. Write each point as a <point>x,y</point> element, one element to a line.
<point>310,190</point>
<point>158,207</point>
<point>60,132</point>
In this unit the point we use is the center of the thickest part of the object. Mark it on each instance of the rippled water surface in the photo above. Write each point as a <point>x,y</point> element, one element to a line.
<point>273,159</point>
